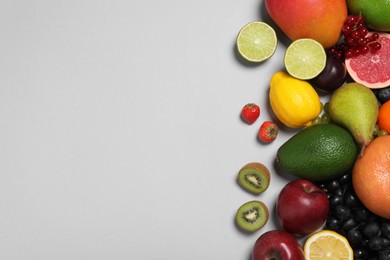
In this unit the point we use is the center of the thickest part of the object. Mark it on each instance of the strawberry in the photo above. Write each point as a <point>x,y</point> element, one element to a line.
<point>250,112</point>
<point>268,131</point>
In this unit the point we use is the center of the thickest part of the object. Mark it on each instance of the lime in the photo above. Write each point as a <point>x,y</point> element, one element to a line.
<point>256,41</point>
<point>376,13</point>
<point>305,58</point>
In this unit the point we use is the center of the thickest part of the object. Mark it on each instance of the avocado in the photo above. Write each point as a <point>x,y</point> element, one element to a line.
<point>318,152</point>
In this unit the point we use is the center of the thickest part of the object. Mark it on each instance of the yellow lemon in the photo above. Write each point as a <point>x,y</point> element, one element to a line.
<point>327,245</point>
<point>295,102</point>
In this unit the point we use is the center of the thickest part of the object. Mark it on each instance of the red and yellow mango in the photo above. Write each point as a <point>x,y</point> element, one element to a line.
<point>321,20</point>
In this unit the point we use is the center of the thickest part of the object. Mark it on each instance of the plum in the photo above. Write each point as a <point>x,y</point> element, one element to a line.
<point>332,77</point>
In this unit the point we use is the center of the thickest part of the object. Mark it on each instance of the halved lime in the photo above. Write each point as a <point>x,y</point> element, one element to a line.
<point>305,58</point>
<point>256,41</point>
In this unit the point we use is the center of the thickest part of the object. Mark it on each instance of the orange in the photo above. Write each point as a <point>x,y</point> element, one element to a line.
<point>384,117</point>
<point>371,176</point>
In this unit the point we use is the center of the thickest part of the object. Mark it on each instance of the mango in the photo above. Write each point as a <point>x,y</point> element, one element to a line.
<point>321,20</point>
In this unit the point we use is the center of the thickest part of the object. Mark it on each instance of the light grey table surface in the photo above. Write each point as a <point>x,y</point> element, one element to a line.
<point>120,135</point>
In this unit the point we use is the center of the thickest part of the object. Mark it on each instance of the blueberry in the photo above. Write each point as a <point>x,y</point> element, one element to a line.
<point>351,200</point>
<point>385,228</point>
<point>361,214</point>
<point>384,255</point>
<point>360,254</point>
<point>355,237</point>
<point>342,212</point>
<point>340,191</point>
<point>345,178</point>
<point>333,185</point>
<point>386,243</point>
<point>383,95</point>
<point>375,243</point>
<point>333,224</point>
<point>350,223</point>
<point>335,200</point>
<point>371,229</point>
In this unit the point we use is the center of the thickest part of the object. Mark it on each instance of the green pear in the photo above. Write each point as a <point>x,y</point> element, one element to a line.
<point>355,107</point>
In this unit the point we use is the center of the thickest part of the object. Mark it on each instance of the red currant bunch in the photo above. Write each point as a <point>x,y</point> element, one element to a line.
<point>357,39</point>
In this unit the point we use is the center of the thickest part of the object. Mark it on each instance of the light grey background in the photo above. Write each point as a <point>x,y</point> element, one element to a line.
<point>120,135</point>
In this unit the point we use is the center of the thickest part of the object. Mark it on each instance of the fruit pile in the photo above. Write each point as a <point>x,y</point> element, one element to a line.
<point>367,233</point>
<point>339,158</point>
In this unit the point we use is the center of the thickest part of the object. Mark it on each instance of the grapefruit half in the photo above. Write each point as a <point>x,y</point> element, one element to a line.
<point>372,69</point>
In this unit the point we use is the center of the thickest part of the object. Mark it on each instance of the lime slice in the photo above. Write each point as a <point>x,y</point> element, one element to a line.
<point>305,58</point>
<point>256,41</point>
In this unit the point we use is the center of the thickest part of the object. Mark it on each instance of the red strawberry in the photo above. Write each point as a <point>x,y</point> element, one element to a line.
<point>268,131</point>
<point>250,112</point>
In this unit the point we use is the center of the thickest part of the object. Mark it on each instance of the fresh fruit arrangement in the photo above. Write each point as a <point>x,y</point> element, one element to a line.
<point>338,198</point>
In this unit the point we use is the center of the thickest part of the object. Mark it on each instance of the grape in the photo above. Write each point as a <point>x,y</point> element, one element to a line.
<point>382,133</point>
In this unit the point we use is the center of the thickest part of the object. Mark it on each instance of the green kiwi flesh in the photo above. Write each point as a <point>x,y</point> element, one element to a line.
<point>254,177</point>
<point>252,216</point>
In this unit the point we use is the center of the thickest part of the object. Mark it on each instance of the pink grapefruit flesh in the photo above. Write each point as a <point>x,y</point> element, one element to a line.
<point>372,69</point>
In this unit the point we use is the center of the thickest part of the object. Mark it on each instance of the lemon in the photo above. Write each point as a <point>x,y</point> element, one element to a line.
<point>295,102</point>
<point>376,13</point>
<point>327,245</point>
<point>305,58</point>
<point>256,41</point>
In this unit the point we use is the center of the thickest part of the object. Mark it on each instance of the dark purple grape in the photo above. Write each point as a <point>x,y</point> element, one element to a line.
<point>332,77</point>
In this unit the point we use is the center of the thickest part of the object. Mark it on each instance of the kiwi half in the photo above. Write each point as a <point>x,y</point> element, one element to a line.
<point>254,177</point>
<point>252,216</point>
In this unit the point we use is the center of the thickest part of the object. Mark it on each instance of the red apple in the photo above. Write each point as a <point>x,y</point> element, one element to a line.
<point>302,207</point>
<point>278,245</point>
